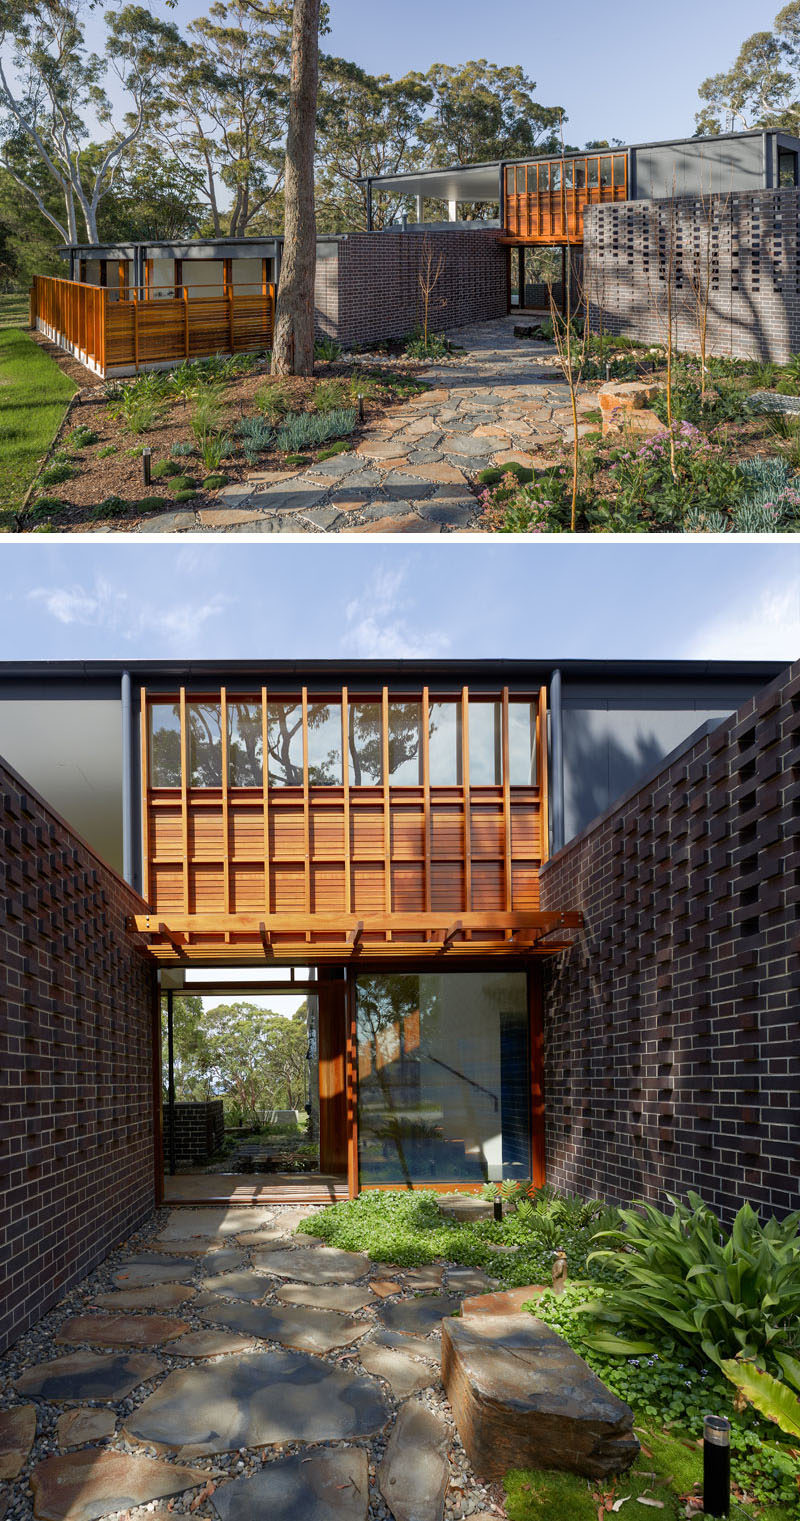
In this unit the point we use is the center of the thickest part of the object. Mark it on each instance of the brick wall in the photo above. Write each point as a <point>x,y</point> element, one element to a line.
<point>370,290</point>
<point>199,1130</point>
<point>743,248</point>
<point>672,1028</point>
<point>76,1099</point>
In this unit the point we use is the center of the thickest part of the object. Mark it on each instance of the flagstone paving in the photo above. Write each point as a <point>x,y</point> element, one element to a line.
<point>223,1419</point>
<point>414,469</point>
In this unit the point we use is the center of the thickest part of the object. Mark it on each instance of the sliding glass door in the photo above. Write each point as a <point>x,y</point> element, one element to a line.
<point>443,1077</point>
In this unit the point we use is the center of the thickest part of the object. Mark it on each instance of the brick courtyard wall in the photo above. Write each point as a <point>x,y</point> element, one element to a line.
<point>76,1029</point>
<point>199,1130</point>
<point>743,248</point>
<point>370,290</point>
<point>672,1027</point>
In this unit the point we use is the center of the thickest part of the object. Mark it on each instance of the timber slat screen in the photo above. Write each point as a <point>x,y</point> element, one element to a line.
<point>545,199</point>
<point>110,333</point>
<point>258,841</point>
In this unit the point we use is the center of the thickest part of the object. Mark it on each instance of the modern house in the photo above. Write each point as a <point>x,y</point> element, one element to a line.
<point>727,206</point>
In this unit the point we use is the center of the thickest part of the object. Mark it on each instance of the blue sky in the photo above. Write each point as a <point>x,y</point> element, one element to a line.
<point>225,598</point>
<point>627,70</point>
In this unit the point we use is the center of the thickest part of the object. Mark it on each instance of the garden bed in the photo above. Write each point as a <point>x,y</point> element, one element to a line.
<point>207,425</point>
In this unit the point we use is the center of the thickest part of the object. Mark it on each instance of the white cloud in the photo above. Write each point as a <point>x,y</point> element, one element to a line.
<point>106,608</point>
<point>764,624</point>
<point>385,622</point>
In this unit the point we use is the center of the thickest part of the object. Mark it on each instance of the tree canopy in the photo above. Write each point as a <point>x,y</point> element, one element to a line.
<point>253,1057</point>
<point>762,86</point>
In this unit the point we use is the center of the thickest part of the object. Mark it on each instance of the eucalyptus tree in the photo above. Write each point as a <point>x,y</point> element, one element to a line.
<point>54,94</point>
<point>762,86</point>
<point>293,343</point>
<point>482,111</point>
<point>368,126</point>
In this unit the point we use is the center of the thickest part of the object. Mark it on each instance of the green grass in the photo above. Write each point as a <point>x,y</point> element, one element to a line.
<point>33,399</point>
<point>15,309</point>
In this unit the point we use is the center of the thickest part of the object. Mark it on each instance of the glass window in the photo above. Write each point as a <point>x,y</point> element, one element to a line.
<point>405,750</point>
<point>445,755</point>
<point>245,744</point>
<point>165,744</point>
<point>522,744</point>
<point>285,744</point>
<point>366,760</point>
<point>485,744</point>
<point>443,1077</point>
<point>787,168</point>
<point>605,171</point>
<point>591,172</point>
<point>324,745</point>
<point>205,744</point>
<point>580,174</point>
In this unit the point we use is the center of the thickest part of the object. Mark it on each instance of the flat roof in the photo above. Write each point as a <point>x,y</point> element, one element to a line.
<point>480,182</point>
<point>99,670</point>
<point>188,248</point>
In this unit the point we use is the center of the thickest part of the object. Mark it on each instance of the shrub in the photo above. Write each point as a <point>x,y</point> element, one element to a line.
<point>304,430</point>
<point>255,433</point>
<point>791,375</point>
<point>181,483</point>
<point>684,1278</point>
<point>327,349</point>
<point>213,482</point>
<point>206,412</point>
<point>140,404</point>
<point>274,401</point>
<point>180,451</point>
<point>45,507</point>
<point>214,448</point>
<point>56,473</point>
<point>106,450</point>
<point>328,395</point>
<point>82,437</point>
<point>649,495</point>
<point>764,375</point>
<point>492,476</point>
<point>186,495</point>
<point>111,507</point>
<point>151,503</point>
<point>163,468</point>
<point>435,346</point>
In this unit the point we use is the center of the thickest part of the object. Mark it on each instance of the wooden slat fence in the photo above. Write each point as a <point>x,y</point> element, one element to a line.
<point>111,335</point>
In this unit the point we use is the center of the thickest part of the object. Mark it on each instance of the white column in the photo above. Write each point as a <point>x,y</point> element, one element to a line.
<point>452,210</point>
<point>420,212</point>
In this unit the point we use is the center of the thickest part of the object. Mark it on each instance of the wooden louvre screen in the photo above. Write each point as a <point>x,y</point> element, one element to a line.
<point>112,332</point>
<point>342,869</point>
<point>545,199</point>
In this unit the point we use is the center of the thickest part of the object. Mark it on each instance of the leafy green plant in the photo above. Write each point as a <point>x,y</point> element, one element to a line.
<point>110,507</point>
<point>213,482</point>
<point>791,373</point>
<point>214,448</point>
<point>493,475</point>
<point>332,450</point>
<point>45,507</point>
<point>771,1396</point>
<point>298,459</point>
<point>328,395</point>
<point>435,346</point>
<point>327,350</point>
<point>682,1276</point>
<point>151,503</point>
<point>54,474</point>
<point>164,468</point>
<point>106,450</point>
<point>784,425</point>
<point>140,404</point>
<point>82,437</point>
<point>256,434</point>
<point>186,495</point>
<point>304,430</point>
<point>764,375</point>
<point>206,411</point>
<point>183,450</point>
<point>274,400</point>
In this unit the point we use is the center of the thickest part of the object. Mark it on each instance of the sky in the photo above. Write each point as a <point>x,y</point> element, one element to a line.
<point>627,70</point>
<point>459,599</point>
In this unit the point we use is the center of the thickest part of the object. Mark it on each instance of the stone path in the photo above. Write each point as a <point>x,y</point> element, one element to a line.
<point>289,1387</point>
<point>415,469</point>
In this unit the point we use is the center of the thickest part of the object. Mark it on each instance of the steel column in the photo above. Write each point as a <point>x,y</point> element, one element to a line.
<point>556,762</point>
<point>171,1083</point>
<point>127,778</point>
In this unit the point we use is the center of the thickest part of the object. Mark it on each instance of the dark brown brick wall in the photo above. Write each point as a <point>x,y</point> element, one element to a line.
<point>199,1130</point>
<point>370,290</point>
<point>76,1100</point>
<point>672,1028</point>
<point>745,247</point>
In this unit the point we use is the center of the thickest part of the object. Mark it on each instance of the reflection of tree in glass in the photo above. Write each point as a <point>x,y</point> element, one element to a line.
<point>384,1004</point>
<point>165,747</point>
<point>284,723</point>
<point>366,740</point>
<point>205,744</point>
<point>325,770</point>
<point>252,1057</point>
<point>245,743</point>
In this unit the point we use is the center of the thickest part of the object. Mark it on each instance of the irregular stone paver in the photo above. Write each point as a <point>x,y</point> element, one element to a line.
<point>470,1281</point>
<point>417,1315</point>
<point>303,1329</point>
<point>162,1296</point>
<point>120,1330</point>
<point>385,1287</point>
<point>321,1486</point>
<point>87,1376</point>
<point>139,1272</point>
<point>403,1375</point>
<point>210,1344</point>
<point>226,1260</point>
<point>325,1296</point>
<point>258,1400</point>
<point>521,1398</point>
<point>504,1302</point>
<point>317,1264</point>
<point>413,1346</point>
<point>17,1431</point>
<point>183,1224</point>
<point>85,1425</point>
<point>86,1485</point>
<point>429,1276</point>
<point>414,1474</point>
<point>237,1286</point>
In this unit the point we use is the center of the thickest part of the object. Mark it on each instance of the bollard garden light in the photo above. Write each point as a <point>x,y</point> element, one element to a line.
<point>146,457</point>
<point>498,1209</point>
<point>716,1465</point>
<point>360,408</point>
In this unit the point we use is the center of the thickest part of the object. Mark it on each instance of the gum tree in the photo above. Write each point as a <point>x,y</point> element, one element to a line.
<point>293,344</point>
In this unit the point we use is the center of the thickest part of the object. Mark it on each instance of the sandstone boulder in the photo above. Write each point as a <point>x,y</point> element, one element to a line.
<point>521,1398</point>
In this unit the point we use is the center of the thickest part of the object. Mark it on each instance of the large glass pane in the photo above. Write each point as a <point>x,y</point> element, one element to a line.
<point>485,744</point>
<point>165,744</point>
<point>443,1077</point>
<point>285,744</point>
<point>205,744</point>
<point>405,750</point>
<point>245,744</point>
<point>445,755</point>
<point>324,745</point>
<point>522,744</point>
<point>366,745</point>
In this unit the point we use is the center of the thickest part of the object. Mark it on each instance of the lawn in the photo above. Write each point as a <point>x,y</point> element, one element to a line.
<point>34,394</point>
<point>14,309</point>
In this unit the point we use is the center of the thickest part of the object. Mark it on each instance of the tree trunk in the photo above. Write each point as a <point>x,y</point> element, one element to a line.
<point>293,345</point>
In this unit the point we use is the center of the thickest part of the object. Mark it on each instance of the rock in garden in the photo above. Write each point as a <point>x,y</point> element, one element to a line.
<point>120,1330</point>
<point>161,1296</point>
<point>210,1344</point>
<point>403,1375</point>
<point>257,1400</point>
<point>292,1325</point>
<point>17,1431</point>
<point>86,1424</point>
<point>326,1296</point>
<point>88,1484</point>
<point>414,1474</point>
<point>183,1224</point>
<point>329,1485</point>
<point>417,1317</point>
<point>504,1302</point>
<point>521,1398</point>
<point>315,1264</point>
